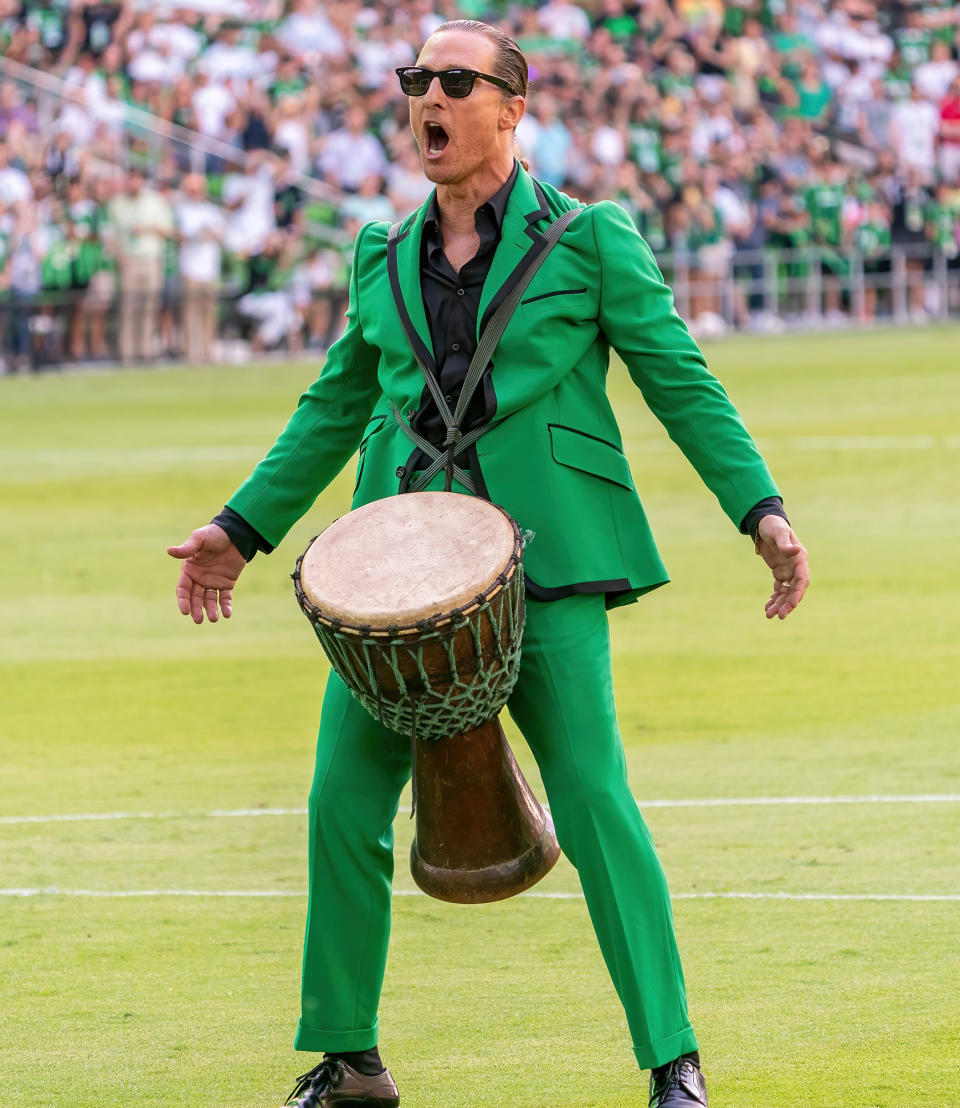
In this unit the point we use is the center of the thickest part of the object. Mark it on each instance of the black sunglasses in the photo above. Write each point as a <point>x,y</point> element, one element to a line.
<point>458,83</point>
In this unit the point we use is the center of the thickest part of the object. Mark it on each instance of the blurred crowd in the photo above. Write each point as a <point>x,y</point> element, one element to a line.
<point>729,130</point>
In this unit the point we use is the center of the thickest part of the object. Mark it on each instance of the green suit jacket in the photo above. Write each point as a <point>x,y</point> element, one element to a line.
<point>553,456</point>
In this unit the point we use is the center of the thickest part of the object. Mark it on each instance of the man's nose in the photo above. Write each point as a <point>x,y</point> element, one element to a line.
<point>435,93</point>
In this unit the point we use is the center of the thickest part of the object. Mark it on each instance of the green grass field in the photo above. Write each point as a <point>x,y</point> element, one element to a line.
<point>113,703</point>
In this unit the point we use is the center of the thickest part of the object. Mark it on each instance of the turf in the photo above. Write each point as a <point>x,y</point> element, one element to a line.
<point>113,702</point>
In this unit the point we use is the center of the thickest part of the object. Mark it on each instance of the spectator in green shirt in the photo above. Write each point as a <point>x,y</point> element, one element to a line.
<point>897,78</point>
<point>913,40</point>
<point>289,79</point>
<point>713,252</point>
<point>643,131</point>
<point>676,79</point>
<point>787,38</point>
<point>825,199</point>
<point>943,222</point>
<point>813,94</point>
<point>86,254</point>
<point>46,21</point>
<point>872,239</point>
<point>618,18</point>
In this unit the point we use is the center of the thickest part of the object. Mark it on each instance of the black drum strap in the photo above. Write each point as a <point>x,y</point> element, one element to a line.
<point>456,440</point>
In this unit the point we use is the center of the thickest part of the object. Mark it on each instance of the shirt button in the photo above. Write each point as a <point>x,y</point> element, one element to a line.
<point>455,347</point>
<point>459,292</point>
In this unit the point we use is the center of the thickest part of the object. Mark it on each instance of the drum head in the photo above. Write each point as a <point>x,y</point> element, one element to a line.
<point>407,558</point>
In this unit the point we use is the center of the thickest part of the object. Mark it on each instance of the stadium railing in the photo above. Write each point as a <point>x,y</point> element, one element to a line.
<point>770,290</point>
<point>811,286</point>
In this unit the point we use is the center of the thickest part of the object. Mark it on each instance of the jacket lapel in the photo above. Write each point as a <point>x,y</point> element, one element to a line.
<point>525,207</point>
<point>408,268</point>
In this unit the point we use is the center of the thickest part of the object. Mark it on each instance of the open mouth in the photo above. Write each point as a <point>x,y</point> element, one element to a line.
<point>436,139</point>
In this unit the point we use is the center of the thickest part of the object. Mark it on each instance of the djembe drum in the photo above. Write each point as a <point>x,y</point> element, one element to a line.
<point>417,601</point>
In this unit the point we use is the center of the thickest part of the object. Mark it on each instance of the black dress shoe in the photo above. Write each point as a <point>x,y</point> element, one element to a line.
<point>678,1085</point>
<point>334,1083</point>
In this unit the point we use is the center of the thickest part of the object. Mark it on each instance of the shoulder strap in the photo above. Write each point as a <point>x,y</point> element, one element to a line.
<point>493,332</point>
<point>421,354</point>
<point>456,440</point>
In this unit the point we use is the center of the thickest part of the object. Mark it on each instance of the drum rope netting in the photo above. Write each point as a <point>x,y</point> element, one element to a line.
<point>418,709</point>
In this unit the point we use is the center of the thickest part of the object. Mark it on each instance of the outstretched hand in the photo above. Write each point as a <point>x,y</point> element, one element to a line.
<point>785,555</point>
<point>211,566</point>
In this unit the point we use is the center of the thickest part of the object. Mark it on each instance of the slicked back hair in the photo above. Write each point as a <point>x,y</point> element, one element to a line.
<point>510,64</point>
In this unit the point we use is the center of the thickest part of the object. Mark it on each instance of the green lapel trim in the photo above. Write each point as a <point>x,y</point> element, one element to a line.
<point>408,269</point>
<point>517,236</point>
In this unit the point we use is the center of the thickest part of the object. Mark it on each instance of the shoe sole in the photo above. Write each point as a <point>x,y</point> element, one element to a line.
<point>368,1103</point>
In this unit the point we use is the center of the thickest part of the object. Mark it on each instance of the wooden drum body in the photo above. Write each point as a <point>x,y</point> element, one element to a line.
<point>418,602</point>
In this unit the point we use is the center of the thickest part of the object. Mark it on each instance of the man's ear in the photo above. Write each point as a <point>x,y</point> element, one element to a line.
<point>512,112</point>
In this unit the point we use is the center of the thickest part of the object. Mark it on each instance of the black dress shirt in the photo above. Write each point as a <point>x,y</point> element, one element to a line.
<point>452,303</point>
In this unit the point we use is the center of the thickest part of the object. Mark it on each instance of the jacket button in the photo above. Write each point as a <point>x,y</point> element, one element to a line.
<point>401,471</point>
<point>459,292</point>
<point>456,346</point>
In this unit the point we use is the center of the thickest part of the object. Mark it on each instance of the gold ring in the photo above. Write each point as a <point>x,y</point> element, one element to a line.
<point>210,588</point>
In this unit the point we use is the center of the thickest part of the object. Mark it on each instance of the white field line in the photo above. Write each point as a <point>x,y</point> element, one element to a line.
<point>215,813</point>
<point>866,442</point>
<point>276,894</point>
<point>77,455</point>
<point>703,802</point>
<point>746,801</point>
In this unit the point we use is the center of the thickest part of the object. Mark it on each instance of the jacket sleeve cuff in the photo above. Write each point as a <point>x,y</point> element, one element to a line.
<point>247,540</point>
<point>769,506</point>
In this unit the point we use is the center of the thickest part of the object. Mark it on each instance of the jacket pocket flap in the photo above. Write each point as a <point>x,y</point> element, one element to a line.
<point>371,429</point>
<point>592,455</point>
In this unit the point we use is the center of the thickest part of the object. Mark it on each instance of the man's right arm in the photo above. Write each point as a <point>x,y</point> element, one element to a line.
<point>321,435</point>
<point>245,538</point>
<point>317,442</point>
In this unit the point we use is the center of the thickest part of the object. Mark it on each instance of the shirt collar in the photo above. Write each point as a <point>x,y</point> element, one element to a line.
<point>494,208</point>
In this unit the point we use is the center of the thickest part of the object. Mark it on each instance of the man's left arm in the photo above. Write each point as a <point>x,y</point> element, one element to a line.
<point>638,317</point>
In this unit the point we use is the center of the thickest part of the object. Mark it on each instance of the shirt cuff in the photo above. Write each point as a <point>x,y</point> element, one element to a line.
<point>244,537</point>
<point>770,506</point>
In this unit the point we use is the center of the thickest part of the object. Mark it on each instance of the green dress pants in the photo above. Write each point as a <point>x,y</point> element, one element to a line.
<point>563,704</point>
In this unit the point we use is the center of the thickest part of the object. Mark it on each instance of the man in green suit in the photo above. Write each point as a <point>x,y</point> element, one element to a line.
<point>539,437</point>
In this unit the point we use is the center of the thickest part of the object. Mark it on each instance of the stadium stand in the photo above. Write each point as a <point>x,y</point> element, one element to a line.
<point>185,180</point>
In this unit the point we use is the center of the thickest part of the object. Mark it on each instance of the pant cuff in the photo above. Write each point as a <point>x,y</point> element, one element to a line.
<point>329,1042</point>
<point>661,1051</point>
